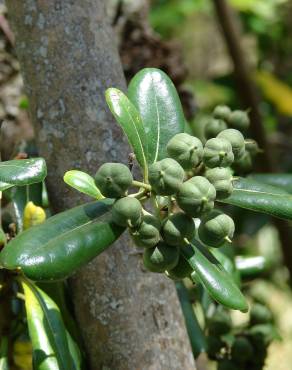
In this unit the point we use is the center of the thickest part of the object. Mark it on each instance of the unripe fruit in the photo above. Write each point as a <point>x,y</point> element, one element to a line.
<point>262,335</point>
<point>113,179</point>
<point>239,120</point>
<point>160,258</point>
<point>215,229</point>
<point>219,323</point>
<point>214,345</point>
<point>196,196</point>
<point>176,228</point>
<point>227,365</point>
<point>260,314</point>
<point>221,112</point>
<point>166,176</point>
<point>221,178</point>
<point>147,234</point>
<point>127,212</point>
<point>244,164</point>
<point>236,140</point>
<point>241,350</point>
<point>218,153</point>
<point>251,146</point>
<point>187,150</point>
<point>181,270</point>
<point>214,127</point>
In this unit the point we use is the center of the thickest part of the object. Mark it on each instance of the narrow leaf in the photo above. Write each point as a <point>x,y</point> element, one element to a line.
<point>252,267</point>
<point>51,348</point>
<point>261,197</point>
<point>23,171</point>
<point>214,278</point>
<point>156,98</point>
<point>82,182</point>
<point>58,247</point>
<point>129,119</point>
<point>280,180</point>
<point>4,186</point>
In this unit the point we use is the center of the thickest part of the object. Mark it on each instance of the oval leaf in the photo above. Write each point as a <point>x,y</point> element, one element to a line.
<point>23,171</point>
<point>62,244</point>
<point>156,98</point>
<point>252,267</point>
<point>82,182</point>
<point>261,197</point>
<point>280,180</point>
<point>51,343</point>
<point>214,278</point>
<point>129,119</point>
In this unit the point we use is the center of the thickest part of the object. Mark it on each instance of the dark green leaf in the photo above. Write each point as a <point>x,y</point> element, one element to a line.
<point>227,263</point>
<point>214,278</point>
<point>4,186</point>
<point>23,171</point>
<point>82,182</point>
<point>156,98</point>
<point>129,119</point>
<point>196,335</point>
<point>62,244</point>
<point>261,197</point>
<point>52,344</point>
<point>280,180</point>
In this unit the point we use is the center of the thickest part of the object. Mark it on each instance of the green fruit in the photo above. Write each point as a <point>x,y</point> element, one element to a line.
<point>214,127</point>
<point>244,164</point>
<point>221,178</point>
<point>260,314</point>
<point>2,238</point>
<point>227,365</point>
<point>196,196</point>
<point>215,229</point>
<point>214,345</point>
<point>127,212</point>
<point>239,120</point>
<point>160,258</point>
<point>218,153</point>
<point>241,350</point>
<point>221,112</point>
<point>262,335</point>
<point>147,234</point>
<point>176,228</point>
<point>251,146</point>
<point>187,150</point>
<point>113,179</point>
<point>181,270</point>
<point>166,176</point>
<point>219,324</point>
<point>236,140</point>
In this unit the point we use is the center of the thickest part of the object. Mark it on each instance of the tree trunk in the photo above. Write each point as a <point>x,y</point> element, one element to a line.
<point>129,318</point>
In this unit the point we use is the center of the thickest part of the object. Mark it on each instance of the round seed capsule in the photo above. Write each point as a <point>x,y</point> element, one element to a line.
<point>187,150</point>
<point>161,257</point>
<point>213,127</point>
<point>239,120</point>
<point>236,140</point>
<point>181,270</point>
<point>221,178</point>
<point>147,235</point>
<point>221,112</point>
<point>127,212</point>
<point>177,227</point>
<point>241,350</point>
<point>218,153</point>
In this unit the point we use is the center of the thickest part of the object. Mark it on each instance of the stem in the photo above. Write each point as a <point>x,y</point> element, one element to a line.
<point>140,184</point>
<point>155,206</point>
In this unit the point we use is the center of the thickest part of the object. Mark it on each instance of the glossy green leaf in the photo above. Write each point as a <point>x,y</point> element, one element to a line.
<point>252,267</point>
<point>4,353</point>
<point>195,332</point>
<point>23,171</point>
<point>280,180</point>
<point>214,278</point>
<point>63,243</point>
<point>4,186</point>
<point>129,119</point>
<point>261,197</point>
<point>82,182</point>
<point>227,263</point>
<point>51,343</point>
<point>156,98</point>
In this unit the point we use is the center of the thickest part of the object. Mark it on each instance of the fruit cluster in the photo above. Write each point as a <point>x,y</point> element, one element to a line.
<point>240,348</point>
<point>182,187</point>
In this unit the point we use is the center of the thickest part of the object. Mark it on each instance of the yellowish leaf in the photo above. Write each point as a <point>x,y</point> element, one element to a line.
<point>33,215</point>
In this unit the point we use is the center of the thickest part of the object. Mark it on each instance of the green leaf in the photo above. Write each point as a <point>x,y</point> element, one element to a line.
<point>196,335</point>
<point>228,264</point>
<point>82,182</point>
<point>252,267</point>
<point>280,180</point>
<point>62,244</point>
<point>23,171</point>
<point>51,343</point>
<point>156,98</point>
<point>214,278</point>
<point>129,119</point>
<point>261,197</point>
<point>4,186</point>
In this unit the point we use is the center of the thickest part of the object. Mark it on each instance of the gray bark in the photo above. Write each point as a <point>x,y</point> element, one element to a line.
<point>129,319</point>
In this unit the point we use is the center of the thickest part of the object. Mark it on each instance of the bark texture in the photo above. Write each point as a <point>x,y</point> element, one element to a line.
<point>130,319</point>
